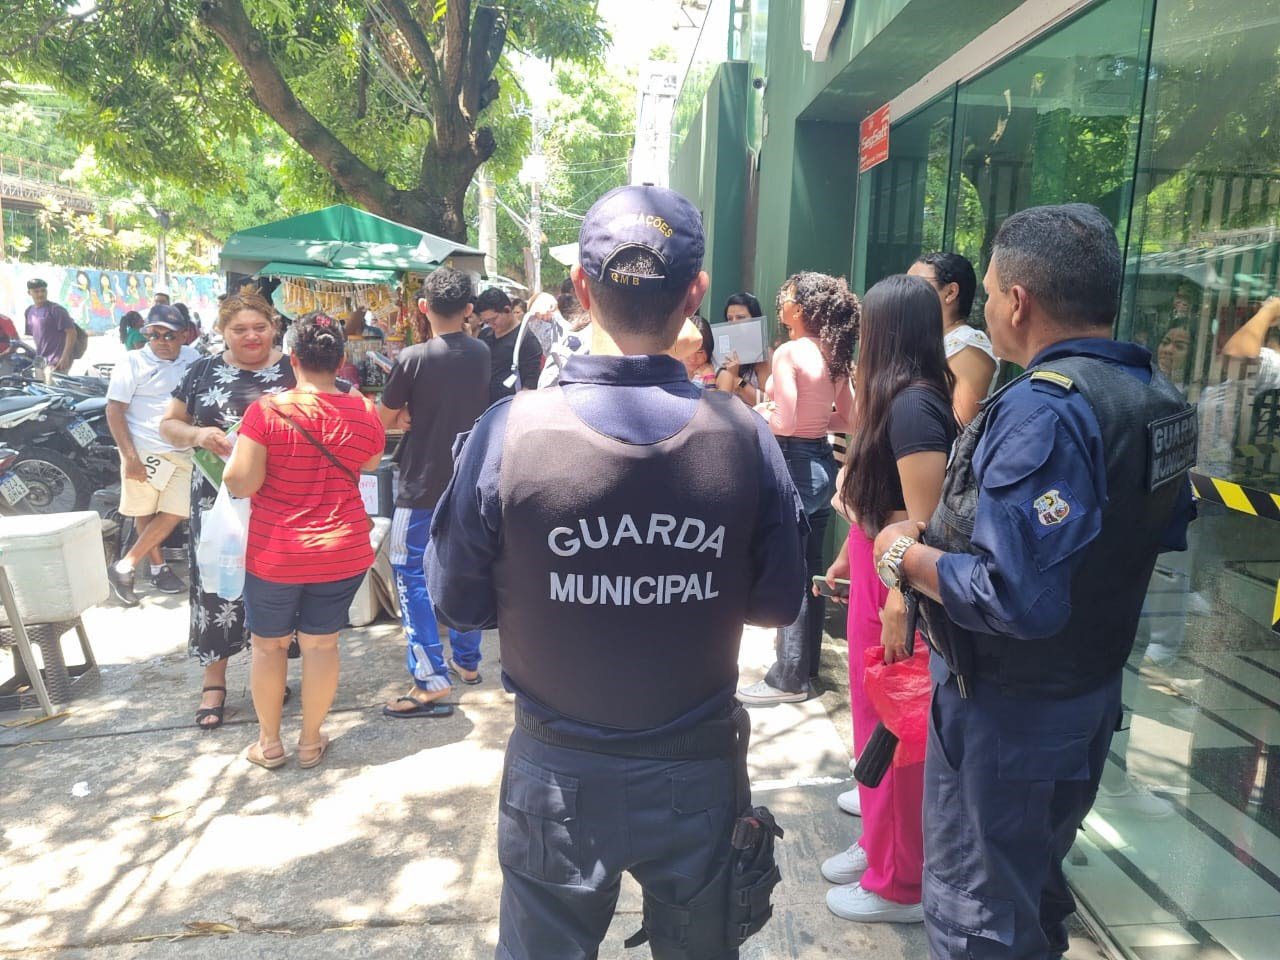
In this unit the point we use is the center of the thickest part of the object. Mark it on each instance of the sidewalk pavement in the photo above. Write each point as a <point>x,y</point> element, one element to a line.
<point>125,832</point>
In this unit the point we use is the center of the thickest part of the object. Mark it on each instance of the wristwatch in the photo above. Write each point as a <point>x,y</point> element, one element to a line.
<point>889,566</point>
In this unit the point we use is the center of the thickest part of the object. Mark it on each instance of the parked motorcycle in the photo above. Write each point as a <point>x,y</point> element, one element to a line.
<point>62,457</point>
<point>18,368</point>
<point>13,489</point>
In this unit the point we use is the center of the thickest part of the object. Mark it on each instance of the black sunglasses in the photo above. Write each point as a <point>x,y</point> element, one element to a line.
<point>158,335</point>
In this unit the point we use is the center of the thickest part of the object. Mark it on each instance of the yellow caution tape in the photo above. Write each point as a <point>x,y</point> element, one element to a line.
<point>1234,496</point>
<point>1242,499</point>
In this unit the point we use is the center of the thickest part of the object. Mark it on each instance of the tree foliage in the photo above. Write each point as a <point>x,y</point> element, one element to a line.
<point>121,231</point>
<point>587,141</point>
<point>387,98</point>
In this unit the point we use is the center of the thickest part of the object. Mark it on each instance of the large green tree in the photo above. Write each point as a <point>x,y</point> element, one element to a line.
<point>386,97</point>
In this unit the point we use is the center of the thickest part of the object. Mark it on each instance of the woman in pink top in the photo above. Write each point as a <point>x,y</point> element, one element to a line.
<point>809,394</point>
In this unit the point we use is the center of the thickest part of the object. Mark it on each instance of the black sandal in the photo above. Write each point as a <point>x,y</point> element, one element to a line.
<point>215,712</point>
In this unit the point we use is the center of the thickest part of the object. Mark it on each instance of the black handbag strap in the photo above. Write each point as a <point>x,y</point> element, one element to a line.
<point>347,471</point>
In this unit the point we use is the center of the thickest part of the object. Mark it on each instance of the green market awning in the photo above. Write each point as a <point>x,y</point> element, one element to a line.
<point>344,238</point>
<point>339,274</point>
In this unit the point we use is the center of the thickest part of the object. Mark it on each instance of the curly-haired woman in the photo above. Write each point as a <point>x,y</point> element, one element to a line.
<point>809,395</point>
<point>299,457</point>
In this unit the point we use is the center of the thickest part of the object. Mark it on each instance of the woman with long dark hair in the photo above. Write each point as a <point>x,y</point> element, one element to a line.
<point>746,380</point>
<point>903,427</point>
<point>969,353</point>
<point>809,395</point>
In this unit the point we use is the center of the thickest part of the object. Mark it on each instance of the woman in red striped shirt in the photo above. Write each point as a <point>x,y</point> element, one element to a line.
<point>298,456</point>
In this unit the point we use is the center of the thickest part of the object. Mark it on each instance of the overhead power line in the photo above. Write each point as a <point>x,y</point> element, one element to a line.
<point>384,74</point>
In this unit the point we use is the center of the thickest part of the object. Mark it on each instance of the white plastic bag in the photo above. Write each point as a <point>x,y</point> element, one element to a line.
<point>224,536</point>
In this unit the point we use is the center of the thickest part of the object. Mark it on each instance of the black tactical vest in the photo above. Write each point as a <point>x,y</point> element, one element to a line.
<point>1148,437</point>
<point>624,572</point>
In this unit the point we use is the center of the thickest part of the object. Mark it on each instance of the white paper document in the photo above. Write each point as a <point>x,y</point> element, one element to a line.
<point>745,337</point>
<point>369,492</point>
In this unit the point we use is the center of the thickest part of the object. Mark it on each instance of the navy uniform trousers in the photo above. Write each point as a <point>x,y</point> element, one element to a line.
<point>571,821</point>
<point>1007,783</point>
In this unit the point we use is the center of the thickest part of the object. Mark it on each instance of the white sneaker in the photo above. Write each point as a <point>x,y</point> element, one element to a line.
<point>849,803</point>
<point>1135,800</point>
<point>853,903</point>
<point>847,866</point>
<point>761,694</point>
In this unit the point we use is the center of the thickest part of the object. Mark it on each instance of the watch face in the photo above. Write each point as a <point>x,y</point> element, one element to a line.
<point>887,572</point>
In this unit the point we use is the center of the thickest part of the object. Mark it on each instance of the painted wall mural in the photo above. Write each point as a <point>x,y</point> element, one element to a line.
<point>97,299</point>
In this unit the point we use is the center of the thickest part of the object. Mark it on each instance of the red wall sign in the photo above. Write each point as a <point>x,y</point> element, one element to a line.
<point>873,144</point>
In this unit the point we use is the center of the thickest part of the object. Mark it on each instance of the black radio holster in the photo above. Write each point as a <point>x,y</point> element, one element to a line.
<point>735,903</point>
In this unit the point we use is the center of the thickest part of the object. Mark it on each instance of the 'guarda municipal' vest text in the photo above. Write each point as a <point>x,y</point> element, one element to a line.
<point>624,590</point>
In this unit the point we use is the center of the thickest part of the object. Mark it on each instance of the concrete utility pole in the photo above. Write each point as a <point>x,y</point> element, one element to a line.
<point>655,107</point>
<point>488,220</point>
<point>534,175</point>
<point>161,217</point>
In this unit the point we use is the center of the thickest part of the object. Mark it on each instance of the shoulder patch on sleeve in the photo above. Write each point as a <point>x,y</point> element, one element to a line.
<point>1053,507</point>
<point>1054,379</point>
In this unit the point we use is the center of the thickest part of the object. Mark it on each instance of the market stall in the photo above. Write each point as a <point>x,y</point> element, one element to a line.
<point>341,260</point>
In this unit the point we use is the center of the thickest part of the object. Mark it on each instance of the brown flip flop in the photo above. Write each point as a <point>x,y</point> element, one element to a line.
<point>314,761</point>
<point>262,760</point>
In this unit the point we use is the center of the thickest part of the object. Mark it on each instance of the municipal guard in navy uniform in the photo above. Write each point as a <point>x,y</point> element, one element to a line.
<point>1032,571</point>
<point>618,530</point>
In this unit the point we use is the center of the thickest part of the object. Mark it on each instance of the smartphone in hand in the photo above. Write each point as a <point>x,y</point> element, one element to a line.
<point>841,591</point>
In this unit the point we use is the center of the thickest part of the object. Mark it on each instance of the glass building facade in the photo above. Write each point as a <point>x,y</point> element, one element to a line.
<point>1165,115</point>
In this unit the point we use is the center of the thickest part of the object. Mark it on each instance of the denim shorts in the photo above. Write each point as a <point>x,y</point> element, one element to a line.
<point>278,609</point>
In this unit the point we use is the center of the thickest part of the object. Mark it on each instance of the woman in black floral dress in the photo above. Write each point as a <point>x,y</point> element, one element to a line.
<point>207,404</point>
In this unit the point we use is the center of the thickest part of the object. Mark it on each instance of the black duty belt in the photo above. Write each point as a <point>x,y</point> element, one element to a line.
<point>715,738</point>
<point>986,666</point>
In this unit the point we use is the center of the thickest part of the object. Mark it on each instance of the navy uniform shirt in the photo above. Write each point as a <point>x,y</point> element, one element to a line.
<point>1038,441</point>
<point>636,399</point>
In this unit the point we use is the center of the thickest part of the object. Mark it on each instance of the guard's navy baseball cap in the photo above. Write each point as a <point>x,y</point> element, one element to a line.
<point>644,217</point>
<point>164,315</point>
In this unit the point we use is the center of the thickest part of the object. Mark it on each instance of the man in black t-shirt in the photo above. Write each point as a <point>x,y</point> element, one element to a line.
<point>502,334</point>
<point>436,390</point>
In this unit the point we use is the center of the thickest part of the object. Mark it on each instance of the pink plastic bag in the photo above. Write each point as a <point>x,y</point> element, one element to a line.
<point>899,693</point>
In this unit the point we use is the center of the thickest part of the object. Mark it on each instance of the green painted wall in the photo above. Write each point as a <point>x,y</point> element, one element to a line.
<point>711,169</point>
<point>823,189</point>
<point>808,160</point>
<point>809,114</point>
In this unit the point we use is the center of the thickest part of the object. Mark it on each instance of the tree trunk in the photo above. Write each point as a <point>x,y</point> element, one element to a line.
<point>450,157</point>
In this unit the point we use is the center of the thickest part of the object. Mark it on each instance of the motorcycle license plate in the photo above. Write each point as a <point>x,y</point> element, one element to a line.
<point>13,489</point>
<point>82,433</point>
